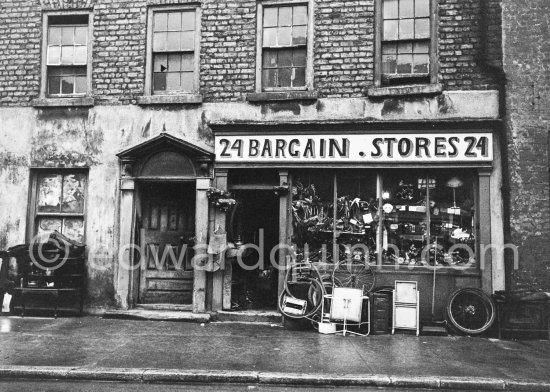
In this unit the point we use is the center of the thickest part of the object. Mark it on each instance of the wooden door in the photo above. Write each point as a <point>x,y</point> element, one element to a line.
<point>168,224</point>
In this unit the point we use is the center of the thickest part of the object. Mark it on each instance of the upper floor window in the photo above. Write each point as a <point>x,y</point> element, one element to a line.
<point>173,51</point>
<point>285,46</point>
<point>406,41</point>
<point>67,71</point>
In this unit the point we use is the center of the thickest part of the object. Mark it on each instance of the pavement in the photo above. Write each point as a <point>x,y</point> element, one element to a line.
<point>97,349</point>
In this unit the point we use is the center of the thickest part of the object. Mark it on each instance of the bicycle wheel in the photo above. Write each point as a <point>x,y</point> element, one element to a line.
<point>470,311</point>
<point>354,275</point>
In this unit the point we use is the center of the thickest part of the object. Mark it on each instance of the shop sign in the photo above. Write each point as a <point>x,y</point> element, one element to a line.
<point>357,148</point>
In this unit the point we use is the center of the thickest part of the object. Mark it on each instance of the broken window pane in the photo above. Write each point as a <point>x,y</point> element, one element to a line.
<point>422,28</point>
<point>74,229</point>
<point>49,193</point>
<point>421,8</point>
<point>404,63</point>
<point>270,16</point>
<point>421,63</point>
<point>54,85</point>
<point>285,16</point>
<point>299,35</point>
<point>390,9</point>
<point>390,29</point>
<point>299,16</point>
<point>160,63</point>
<point>67,85</point>
<point>73,193</point>
<point>160,21</point>
<point>159,81</point>
<point>46,226</point>
<point>406,29</point>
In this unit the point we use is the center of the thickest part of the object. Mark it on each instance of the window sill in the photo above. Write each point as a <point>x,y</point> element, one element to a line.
<point>282,96</point>
<point>180,99</point>
<point>63,102</point>
<point>401,91</point>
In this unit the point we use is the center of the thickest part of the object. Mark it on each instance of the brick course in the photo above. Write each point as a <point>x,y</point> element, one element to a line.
<point>343,47</point>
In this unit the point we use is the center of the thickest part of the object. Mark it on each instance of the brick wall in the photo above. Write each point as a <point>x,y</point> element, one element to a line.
<point>527,66</point>
<point>343,55</point>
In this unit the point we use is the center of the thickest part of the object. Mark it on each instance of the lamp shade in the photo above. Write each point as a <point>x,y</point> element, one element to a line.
<point>455,182</point>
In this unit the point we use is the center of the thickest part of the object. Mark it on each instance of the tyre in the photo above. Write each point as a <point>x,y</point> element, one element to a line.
<point>470,311</point>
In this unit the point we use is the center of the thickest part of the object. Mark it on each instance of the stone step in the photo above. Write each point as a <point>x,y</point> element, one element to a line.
<point>158,315</point>
<point>176,307</point>
<point>434,330</point>
<point>250,316</point>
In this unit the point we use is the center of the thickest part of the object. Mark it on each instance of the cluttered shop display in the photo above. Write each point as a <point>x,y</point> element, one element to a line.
<point>412,217</point>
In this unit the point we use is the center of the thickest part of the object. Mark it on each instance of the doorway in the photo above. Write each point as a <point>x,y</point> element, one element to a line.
<point>255,221</point>
<point>167,228</point>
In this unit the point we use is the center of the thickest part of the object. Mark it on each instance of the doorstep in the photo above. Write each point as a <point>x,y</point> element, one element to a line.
<point>250,316</point>
<point>157,315</point>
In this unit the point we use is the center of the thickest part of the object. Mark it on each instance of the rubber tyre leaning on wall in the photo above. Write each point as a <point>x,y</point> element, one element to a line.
<point>470,311</point>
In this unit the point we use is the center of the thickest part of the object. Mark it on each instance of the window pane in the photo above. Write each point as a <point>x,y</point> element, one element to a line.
<point>299,77</point>
<point>285,16</point>
<point>54,85</point>
<point>299,16</point>
<point>74,229</point>
<point>390,9</point>
<point>172,81</point>
<point>422,28</point>
<point>299,57</point>
<point>73,193</point>
<point>67,55</point>
<point>270,16</point>
<point>67,85</point>
<point>46,226</point>
<point>406,29</point>
<point>67,36</point>
<point>422,47</point>
<point>188,20</point>
<point>81,35</point>
<point>54,55</point>
<point>159,81</point>
<point>406,9</point>
<point>421,63</point>
<point>174,62</point>
<point>285,58</point>
<point>188,40</point>
<point>188,62</point>
<point>404,64</point>
<point>174,21</point>
<point>160,63</point>
<point>405,47</point>
<point>390,29</point>
<point>284,36</point>
<point>388,48</point>
<point>160,21</point>
<point>159,41</point>
<point>285,77</point>
<point>173,41</point>
<point>269,58</point>
<point>269,77</point>
<point>49,193</point>
<point>299,35</point>
<point>421,8</point>
<point>389,64</point>
<point>80,85</point>
<point>270,36</point>
<point>54,36</point>
<point>80,54</point>
<point>187,81</point>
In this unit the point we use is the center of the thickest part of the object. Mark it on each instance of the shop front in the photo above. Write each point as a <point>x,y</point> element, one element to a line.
<point>407,198</point>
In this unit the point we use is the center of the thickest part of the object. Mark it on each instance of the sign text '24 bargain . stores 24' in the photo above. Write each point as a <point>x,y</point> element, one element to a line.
<point>457,147</point>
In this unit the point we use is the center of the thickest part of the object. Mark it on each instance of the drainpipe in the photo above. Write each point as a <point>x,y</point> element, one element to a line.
<point>495,67</point>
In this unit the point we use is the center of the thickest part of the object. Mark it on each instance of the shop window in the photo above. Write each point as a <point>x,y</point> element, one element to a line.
<point>173,39</point>
<point>58,203</point>
<point>67,55</point>
<point>397,217</point>
<point>284,50</point>
<point>406,41</point>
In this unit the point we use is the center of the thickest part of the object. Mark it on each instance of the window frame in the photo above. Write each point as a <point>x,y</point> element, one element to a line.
<point>148,91</point>
<point>433,48</point>
<point>44,58</point>
<point>259,44</point>
<point>32,210</point>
